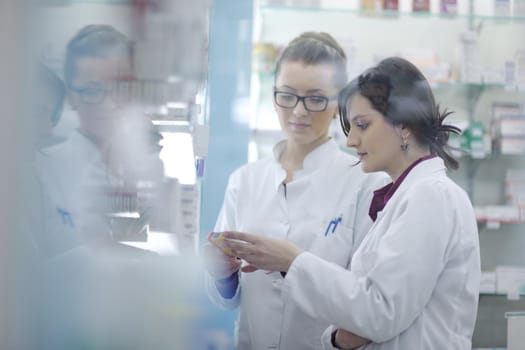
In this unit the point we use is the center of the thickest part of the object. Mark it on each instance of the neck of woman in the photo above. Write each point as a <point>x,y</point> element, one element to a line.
<point>407,160</point>
<point>293,156</point>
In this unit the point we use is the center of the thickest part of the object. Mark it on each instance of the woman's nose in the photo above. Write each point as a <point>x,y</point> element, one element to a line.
<point>351,140</point>
<point>300,109</point>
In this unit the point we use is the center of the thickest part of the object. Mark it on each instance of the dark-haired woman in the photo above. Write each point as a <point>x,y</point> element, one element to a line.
<point>309,193</point>
<point>414,281</point>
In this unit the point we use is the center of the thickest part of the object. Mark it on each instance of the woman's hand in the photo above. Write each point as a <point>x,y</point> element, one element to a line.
<point>348,340</point>
<point>262,252</point>
<point>219,264</point>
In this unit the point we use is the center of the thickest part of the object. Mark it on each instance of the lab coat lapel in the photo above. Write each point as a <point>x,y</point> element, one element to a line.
<point>427,168</point>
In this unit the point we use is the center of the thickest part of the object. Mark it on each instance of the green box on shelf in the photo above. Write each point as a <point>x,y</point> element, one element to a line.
<point>473,139</point>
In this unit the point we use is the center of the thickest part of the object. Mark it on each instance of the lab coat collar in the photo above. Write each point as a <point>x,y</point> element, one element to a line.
<point>427,168</point>
<point>319,157</point>
<point>77,146</point>
<point>383,195</point>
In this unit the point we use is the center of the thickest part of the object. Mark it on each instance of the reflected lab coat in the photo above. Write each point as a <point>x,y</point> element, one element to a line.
<point>72,173</point>
<point>414,281</point>
<point>323,210</point>
<point>78,184</point>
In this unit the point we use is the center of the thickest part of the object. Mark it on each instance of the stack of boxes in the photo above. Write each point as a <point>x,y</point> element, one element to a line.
<point>510,280</point>
<point>508,128</point>
<point>506,279</point>
<point>515,190</point>
<point>513,211</point>
<point>182,213</point>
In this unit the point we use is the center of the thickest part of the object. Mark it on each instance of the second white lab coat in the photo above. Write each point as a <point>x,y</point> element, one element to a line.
<point>73,175</point>
<point>79,186</point>
<point>330,189</point>
<point>413,282</point>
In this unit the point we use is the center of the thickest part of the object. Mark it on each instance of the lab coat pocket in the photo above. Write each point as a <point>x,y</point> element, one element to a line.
<point>333,246</point>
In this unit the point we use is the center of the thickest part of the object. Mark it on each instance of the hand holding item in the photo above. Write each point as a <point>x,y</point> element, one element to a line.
<point>261,252</point>
<point>217,239</point>
<point>219,264</point>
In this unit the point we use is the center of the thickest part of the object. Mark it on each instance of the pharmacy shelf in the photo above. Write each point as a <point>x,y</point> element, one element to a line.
<point>386,14</point>
<point>500,222</point>
<point>491,294</point>
<point>494,156</point>
<point>266,80</point>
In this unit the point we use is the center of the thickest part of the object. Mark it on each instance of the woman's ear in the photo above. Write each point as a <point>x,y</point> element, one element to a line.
<point>402,131</point>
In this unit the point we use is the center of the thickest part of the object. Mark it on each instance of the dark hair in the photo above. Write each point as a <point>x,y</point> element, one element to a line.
<point>400,92</point>
<point>50,80</point>
<point>94,40</point>
<point>315,48</point>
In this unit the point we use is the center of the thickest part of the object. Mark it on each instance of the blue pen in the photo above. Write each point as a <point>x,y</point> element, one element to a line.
<point>66,217</point>
<point>333,224</point>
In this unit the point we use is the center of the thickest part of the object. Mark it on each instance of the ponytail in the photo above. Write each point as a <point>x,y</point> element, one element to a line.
<point>439,137</point>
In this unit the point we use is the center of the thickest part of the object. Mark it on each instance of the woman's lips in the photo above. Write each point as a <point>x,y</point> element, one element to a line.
<point>298,126</point>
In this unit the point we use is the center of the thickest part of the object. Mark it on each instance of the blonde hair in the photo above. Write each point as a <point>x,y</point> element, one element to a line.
<point>316,48</point>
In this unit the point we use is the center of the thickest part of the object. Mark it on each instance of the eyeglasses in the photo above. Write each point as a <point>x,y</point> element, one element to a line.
<point>92,95</point>
<point>310,103</point>
<point>124,91</point>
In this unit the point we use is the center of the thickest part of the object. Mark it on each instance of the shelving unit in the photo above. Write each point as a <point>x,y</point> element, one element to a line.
<point>171,66</point>
<point>368,36</point>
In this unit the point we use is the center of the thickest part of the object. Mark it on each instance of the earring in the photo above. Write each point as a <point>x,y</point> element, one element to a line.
<point>404,145</point>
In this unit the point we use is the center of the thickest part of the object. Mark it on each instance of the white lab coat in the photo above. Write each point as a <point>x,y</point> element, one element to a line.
<point>74,177</point>
<point>329,186</point>
<point>79,184</point>
<point>413,282</point>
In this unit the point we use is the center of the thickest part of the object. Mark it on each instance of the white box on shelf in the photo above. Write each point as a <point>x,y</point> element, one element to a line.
<point>338,4</point>
<point>515,197</point>
<point>500,108</point>
<point>510,145</point>
<point>515,327</point>
<point>509,279</point>
<point>502,8</point>
<point>470,69</point>
<point>481,213</point>
<point>510,125</point>
<point>519,72</point>
<point>502,213</point>
<point>488,282</point>
<point>515,175</point>
<point>518,8</point>
<point>515,188</point>
<point>305,3</point>
<point>483,7</point>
